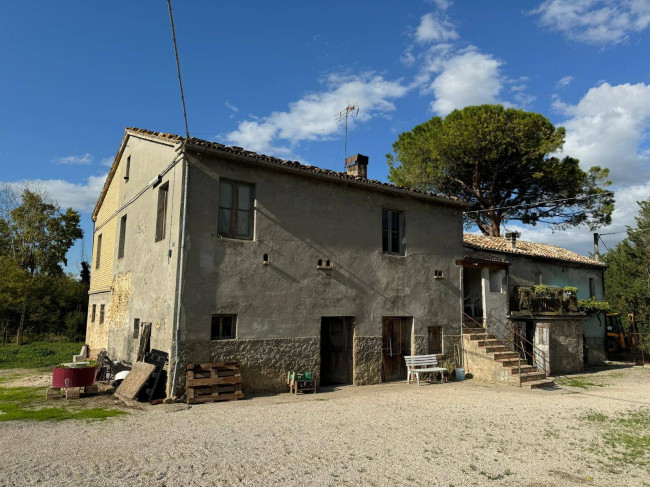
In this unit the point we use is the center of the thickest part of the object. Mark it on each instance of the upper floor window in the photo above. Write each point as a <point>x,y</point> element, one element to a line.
<point>392,232</point>
<point>235,209</point>
<point>120,248</point>
<point>161,211</point>
<point>98,251</point>
<point>92,314</point>
<point>127,169</point>
<point>592,288</point>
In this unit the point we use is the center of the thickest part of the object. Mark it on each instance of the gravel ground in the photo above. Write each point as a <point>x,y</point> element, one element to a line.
<point>459,434</point>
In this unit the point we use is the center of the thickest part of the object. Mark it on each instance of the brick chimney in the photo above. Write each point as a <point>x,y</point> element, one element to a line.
<point>357,166</point>
<point>511,239</point>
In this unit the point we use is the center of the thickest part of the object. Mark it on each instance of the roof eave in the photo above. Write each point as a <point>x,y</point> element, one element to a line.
<point>355,181</point>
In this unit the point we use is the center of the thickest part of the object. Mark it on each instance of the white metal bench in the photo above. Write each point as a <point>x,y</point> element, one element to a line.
<point>417,364</point>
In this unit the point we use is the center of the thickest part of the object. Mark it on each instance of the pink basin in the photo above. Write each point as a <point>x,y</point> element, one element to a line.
<point>73,376</point>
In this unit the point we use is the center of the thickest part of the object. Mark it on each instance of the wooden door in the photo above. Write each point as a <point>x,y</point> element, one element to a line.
<point>336,350</point>
<point>394,347</point>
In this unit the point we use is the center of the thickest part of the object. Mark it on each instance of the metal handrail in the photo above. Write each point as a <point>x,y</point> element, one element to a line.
<point>516,347</point>
<point>536,350</point>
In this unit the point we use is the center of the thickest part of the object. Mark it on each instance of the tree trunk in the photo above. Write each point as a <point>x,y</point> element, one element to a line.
<point>19,332</point>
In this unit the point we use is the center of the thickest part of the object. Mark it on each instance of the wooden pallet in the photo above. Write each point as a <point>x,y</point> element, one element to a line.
<point>220,381</point>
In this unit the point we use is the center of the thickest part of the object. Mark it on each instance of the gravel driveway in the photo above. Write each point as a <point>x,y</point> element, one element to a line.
<point>459,434</point>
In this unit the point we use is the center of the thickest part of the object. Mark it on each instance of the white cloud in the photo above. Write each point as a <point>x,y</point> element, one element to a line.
<point>231,107</point>
<point>609,127</point>
<point>80,197</point>
<point>581,239</point>
<point>595,21</point>
<point>313,117</point>
<point>107,161</point>
<point>563,82</point>
<point>435,28</point>
<point>84,159</point>
<point>466,78</point>
<point>443,4</point>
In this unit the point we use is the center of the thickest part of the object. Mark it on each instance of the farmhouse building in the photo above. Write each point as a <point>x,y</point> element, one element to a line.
<point>234,255</point>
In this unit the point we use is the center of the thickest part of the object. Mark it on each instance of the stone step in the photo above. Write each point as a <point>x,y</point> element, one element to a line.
<point>497,349</point>
<point>536,384</point>
<point>505,355</point>
<point>525,369</point>
<point>532,376</point>
<point>489,342</point>
<point>481,336</point>
<point>509,362</point>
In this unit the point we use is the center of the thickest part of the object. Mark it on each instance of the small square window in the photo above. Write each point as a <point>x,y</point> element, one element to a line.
<point>223,327</point>
<point>438,274</point>
<point>101,314</point>
<point>435,339</point>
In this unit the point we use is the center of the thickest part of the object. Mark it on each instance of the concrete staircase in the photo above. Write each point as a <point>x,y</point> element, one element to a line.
<point>488,358</point>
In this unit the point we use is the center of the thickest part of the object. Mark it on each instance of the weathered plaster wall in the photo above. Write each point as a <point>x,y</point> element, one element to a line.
<point>561,340</point>
<point>142,283</point>
<point>299,220</point>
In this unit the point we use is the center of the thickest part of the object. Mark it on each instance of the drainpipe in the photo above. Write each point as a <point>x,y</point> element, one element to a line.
<point>179,274</point>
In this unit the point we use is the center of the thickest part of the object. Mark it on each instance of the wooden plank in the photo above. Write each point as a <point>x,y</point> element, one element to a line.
<point>143,346</point>
<point>233,379</point>
<point>133,382</point>
<point>222,397</point>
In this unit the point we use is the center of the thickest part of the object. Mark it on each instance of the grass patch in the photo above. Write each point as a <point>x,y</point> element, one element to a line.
<point>37,354</point>
<point>29,403</point>
<point>581,382</point>
<point>627,438</point>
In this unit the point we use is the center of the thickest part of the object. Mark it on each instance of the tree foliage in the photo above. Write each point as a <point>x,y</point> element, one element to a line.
<point>35,293</point>
<point>627,278</point>
<point>493,157</point>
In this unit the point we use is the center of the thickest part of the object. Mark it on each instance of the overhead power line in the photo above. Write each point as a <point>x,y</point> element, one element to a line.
<point>625,231</point>
<point>178,67</point>
<point>541,203</point>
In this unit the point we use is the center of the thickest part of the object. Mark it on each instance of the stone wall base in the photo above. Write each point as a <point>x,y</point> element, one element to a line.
<point>367,360</point>
<point>264,362</point>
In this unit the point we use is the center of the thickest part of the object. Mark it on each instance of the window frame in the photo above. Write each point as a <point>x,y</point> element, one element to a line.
<point>161,211</point>
<point>98,251</point>
<point>220,336</point>
<point>431,350</point>
<point>102,313</point>
<point>93,313</point>
<point>122,238</point>
<point>386,233</point>
<point>234,209</point>
<point>127,169</point>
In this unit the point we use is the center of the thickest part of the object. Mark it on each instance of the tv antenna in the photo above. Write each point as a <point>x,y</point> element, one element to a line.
<point>350,110</point>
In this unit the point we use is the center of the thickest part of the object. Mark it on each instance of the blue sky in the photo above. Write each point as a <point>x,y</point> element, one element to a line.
<point>272,77</point>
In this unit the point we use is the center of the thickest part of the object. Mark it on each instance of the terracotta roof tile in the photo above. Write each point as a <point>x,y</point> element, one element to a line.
<point>294,164</point>
<point>546,251</point>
